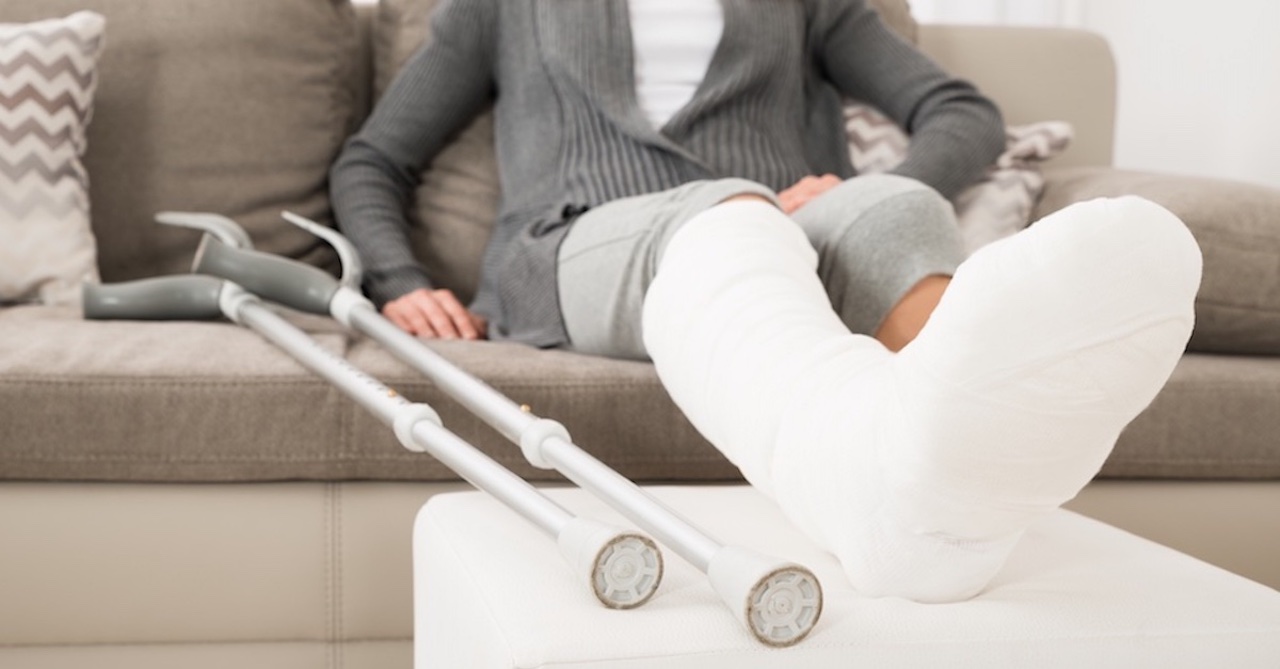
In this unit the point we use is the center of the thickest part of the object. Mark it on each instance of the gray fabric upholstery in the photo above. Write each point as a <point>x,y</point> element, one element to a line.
<point>113,401</point>
<point>1215,419</point>
<point>236,106</point>
<point>123,401</point>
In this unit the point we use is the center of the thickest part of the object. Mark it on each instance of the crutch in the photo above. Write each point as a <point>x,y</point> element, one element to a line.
<point>778,601</point>
<point>622,568</point>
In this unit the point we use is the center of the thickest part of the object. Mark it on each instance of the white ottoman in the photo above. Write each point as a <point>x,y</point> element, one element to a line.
<point>491,591</point>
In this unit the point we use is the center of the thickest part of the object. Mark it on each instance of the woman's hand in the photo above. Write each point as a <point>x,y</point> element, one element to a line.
<point>435,314</point>
<point>805,190</point>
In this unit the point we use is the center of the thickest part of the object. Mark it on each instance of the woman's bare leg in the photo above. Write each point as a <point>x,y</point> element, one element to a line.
<point>909,315</point>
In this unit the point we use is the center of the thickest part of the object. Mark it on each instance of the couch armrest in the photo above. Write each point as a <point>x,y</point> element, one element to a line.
<point>1038,74</point>
<point>1238,228</point>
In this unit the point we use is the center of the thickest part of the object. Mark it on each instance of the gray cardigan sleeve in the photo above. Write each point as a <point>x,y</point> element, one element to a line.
<point>443,86</point>
<point>956,132</point>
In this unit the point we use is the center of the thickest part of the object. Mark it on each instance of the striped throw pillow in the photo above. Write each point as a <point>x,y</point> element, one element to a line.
<point>48,75</point>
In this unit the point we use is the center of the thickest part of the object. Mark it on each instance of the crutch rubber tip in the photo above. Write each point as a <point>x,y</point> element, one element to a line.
<point>623,568</point>
<point>779,602</point>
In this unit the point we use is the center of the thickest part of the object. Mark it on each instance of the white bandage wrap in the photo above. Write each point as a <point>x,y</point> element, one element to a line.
<point>344,301</point>
<point>736,285</point>
<point>407,417</point>
<point>920,470</point>
<point>535,435</point>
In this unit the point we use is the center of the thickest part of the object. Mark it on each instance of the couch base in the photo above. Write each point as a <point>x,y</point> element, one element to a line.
<point>282,655</point>
<point>319,574</point>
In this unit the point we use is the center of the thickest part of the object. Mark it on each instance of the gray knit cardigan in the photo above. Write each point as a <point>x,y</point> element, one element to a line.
<point>570,133</point>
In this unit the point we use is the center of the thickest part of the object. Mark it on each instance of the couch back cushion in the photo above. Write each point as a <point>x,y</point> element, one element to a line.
<point>231,106</point>
<point>457,201</point>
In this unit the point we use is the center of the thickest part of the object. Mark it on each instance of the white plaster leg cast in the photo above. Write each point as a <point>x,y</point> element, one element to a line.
<point>920,470</point>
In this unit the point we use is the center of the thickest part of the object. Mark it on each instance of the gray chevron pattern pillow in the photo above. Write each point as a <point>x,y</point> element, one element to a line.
<point>48,75</point>
<point>991,209</point>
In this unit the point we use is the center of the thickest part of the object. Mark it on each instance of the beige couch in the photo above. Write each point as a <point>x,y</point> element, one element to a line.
<point>181,494</point>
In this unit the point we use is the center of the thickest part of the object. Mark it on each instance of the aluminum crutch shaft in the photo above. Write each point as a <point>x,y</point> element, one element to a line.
<point>623,569</point>
<point>778,601</point>
<point>544,442</point>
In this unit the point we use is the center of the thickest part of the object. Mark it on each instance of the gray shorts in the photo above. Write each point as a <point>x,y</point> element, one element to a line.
<point>876,237</point>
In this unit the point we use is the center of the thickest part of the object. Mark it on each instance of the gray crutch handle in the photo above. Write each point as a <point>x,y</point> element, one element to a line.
<point>288,282</point>
<point>169,298</point>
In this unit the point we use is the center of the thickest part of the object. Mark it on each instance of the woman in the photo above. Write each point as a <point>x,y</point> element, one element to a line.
<point>659,163</point>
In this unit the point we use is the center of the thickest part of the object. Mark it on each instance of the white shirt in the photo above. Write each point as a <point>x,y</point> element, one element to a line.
<point>674,41</point>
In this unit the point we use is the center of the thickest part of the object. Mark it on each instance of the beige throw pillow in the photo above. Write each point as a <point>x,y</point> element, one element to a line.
<point>48,76</point>
<point>994,208</point>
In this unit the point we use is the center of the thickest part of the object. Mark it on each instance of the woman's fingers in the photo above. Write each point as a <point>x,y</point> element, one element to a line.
<point>805,190</point>
<point>433,313</point>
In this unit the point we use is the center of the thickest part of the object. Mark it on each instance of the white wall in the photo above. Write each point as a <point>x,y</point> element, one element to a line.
<point>1199,81</point>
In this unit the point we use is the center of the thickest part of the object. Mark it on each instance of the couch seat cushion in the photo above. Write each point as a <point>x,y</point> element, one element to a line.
<point>127,401</point>
<point>179,401</point>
